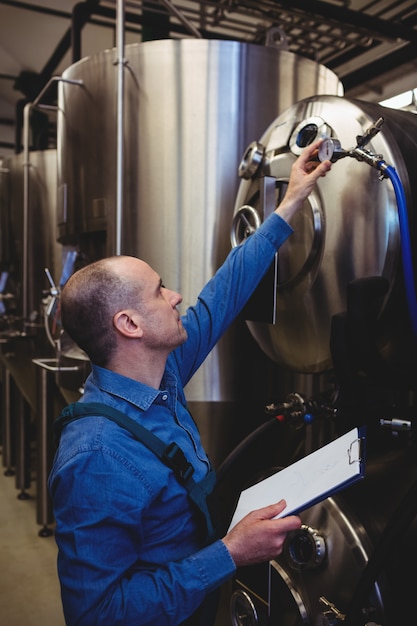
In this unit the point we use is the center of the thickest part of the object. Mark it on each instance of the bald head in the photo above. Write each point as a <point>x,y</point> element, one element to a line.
<point>91,298</point>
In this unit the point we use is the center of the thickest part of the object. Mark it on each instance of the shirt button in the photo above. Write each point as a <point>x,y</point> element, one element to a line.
<point>165,396</point>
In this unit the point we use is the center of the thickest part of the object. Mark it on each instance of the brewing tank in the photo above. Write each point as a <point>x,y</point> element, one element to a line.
<point>190,107</point>
<point>347,563</point>
<point>346,248</point>
<point>336,302</point>
<point>28,191</point>
<point>28,227</point>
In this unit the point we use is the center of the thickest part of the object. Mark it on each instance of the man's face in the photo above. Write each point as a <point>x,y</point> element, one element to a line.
<point>159,317</point>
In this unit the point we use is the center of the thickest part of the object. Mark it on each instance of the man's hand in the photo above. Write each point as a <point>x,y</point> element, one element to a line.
<point>305,172</point>
<point>258,537</point>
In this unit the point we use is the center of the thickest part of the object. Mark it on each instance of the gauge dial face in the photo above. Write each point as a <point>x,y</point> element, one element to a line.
<point>326,150</point>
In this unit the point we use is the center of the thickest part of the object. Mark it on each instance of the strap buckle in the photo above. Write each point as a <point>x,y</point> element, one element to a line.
<point>176,459</point>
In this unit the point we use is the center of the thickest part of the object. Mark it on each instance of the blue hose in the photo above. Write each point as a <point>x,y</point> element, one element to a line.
<point>405,246</point>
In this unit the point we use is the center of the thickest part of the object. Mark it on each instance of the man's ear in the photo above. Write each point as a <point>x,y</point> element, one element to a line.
<point>127,322</point>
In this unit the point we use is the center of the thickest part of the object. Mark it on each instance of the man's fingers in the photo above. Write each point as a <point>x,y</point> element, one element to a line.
<point>309,151</point>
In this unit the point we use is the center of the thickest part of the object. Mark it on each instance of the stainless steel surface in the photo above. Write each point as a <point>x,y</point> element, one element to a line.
<point>190,109</point>
<point>348,229</point>
<point>366,539</point>
<point>40,190</point>
<point>349,549</point>
<point>28,188</point>
<point>49,404</point>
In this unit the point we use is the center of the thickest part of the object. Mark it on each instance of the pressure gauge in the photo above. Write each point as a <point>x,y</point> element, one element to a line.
<point>331,150</point>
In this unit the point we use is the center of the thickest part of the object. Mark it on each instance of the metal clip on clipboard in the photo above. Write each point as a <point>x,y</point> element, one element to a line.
<point>361,443</point>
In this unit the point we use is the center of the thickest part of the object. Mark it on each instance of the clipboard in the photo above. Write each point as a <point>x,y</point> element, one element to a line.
<point>310,480</point>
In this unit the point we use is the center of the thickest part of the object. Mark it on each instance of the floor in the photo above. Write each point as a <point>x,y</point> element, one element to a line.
<point>29,588</point>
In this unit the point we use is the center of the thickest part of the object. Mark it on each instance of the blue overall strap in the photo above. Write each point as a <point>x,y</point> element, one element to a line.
<point>170,454</point>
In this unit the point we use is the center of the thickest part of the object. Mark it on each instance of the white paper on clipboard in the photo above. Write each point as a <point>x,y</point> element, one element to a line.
<point>312,479</point>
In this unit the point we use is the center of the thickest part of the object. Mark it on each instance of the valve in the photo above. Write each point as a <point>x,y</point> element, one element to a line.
<point>396,424</point>
<point>298,411</point>
<point>362,140</point>
<point>245,223</point>
<point>331,150</point>
<point>251,160</point>
<point>374,160</point>
<point>305,548</point>
<point>53,292</point>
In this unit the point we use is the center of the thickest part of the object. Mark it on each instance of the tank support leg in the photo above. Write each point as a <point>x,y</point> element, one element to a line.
<point>22,447</point>
<point>7,426</point>
<point>45,447</point>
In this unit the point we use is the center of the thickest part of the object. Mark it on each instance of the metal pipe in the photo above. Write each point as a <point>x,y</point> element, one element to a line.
<point>47,388</point>
<point>179,14</point>
<point>7,432</point>
<point>120,45</point>
<point>22,418</point>
<point>121,62</point>
<point>26,165</point>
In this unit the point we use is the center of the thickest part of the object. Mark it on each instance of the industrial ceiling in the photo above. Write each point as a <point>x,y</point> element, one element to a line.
<point>370,44</point>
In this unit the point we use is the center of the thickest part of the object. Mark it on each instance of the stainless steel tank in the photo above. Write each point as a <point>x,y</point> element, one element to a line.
<point>347,563</point>
<point>190,108</point>
<point>344,262</point>
<point>347,231</point>
<point>28,219</point>
<point>31,396</point>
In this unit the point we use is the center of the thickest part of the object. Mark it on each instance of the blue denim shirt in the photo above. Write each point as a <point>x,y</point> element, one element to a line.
<point>130,543</point>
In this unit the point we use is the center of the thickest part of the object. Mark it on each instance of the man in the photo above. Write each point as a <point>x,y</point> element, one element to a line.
<point>131,546</point>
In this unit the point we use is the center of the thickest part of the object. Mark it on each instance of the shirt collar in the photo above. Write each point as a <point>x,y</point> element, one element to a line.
<point>136,393</point>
